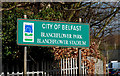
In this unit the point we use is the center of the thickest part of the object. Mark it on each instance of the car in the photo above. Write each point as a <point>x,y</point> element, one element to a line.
<point>117,72</point>
<point>112,72</point>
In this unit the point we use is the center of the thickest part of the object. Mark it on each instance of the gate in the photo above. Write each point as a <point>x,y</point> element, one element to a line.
<point>69,66</point>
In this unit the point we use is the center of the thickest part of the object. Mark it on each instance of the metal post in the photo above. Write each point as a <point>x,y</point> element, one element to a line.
<point>79,61</point>
<point>25,56</point>
<point>25,61</point>
<point>79,54</point>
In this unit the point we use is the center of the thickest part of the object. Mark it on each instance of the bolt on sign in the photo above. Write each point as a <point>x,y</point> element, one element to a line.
<point>52,33</point>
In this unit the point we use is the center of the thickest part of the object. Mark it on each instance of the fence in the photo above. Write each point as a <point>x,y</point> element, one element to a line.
<point>63,67</point>
<point>33,69</point>
<point>48,68</point>
<point>38,73</point>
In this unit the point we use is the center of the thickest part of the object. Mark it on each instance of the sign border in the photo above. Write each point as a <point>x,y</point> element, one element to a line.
<point>55,22</point>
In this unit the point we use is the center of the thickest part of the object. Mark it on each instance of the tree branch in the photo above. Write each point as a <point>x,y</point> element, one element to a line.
<point>105,18</point>
<point>72,12</point>
<point>78,8</point>
<point>107,22</point>
<point>18,5</point>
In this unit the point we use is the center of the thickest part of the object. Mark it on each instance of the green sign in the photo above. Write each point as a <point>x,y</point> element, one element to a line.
<point>52,33</point>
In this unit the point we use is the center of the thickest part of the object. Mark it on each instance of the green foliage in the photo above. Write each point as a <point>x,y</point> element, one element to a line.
<point>47,14</point>
<point>11,51</point>
<point>9,18</point>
